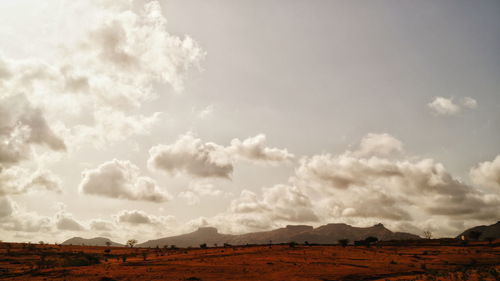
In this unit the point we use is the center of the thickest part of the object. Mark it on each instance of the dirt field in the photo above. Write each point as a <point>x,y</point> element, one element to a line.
<point>279,262</point>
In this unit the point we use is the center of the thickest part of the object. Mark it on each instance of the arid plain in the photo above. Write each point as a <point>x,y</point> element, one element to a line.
<point>381,261</point>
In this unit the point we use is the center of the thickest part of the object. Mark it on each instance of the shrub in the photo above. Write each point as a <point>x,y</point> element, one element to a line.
<point>343,242</point>
<point>203,246</point>
<point>84,260</point>
<point>371,239</point>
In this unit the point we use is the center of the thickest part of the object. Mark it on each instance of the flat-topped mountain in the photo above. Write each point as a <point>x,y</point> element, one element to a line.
<point>97,241</point>
<point>327,234</point>
<point>482,232</point>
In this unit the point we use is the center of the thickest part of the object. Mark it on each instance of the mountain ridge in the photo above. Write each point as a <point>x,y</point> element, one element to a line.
<point>325,234</point>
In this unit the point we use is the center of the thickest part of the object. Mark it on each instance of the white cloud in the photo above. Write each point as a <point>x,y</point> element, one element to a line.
<point>189,155</point>
<point>487,173</point>
<point>362,187</point>
<point>122,180</point>
<point>206,112</point>
<point>101,225</point>
<point>354,187</point>
<point>254,149</point>
<point>446,106</point>
<point>133,217</point>
<point>22,125</point>
<point>468,102</point>
<point>67,222</point>
<point>18,180</point>
<point>443,106</point>
<point>138,217</point>
<point>379,144</point>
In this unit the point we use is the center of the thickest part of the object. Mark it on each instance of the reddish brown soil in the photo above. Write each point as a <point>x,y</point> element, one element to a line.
<point>279,262</point>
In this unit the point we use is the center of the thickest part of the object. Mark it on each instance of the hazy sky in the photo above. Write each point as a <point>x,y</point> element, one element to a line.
<point>142,119</point>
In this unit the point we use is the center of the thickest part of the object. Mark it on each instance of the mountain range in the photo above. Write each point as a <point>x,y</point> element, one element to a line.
<point>326,234</point>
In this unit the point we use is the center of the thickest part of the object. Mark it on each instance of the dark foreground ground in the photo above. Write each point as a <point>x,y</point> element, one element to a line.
<point>475,261</point>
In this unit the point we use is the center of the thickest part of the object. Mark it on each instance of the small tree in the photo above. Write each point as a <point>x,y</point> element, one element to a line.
<point>131,243</point>
<point>203,246</point>
<point>427,234</point>
<point>108,243</point>
<point>343,242</point>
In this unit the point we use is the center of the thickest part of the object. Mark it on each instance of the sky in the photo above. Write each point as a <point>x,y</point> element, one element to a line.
<point>145,119</point>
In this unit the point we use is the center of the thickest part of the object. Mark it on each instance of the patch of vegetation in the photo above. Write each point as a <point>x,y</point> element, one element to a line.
<point>343,242</point>
<point>83,260</point>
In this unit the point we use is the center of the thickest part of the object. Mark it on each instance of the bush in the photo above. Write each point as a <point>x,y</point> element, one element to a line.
<point>343,242</point>
<point>203,246</point>
<point>84,260</point>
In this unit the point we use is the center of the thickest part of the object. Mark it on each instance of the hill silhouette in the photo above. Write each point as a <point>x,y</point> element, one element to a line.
<point>482,232</point>
<point>97,241</point>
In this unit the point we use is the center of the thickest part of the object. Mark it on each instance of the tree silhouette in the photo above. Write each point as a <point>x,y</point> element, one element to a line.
<point>131,243</point>
<point>427,234</point>
<point>108,243</point>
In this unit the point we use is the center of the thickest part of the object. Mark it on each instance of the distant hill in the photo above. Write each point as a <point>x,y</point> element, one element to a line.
<point>482,232</point>
<point>97,241</point>
<point>327,234</point>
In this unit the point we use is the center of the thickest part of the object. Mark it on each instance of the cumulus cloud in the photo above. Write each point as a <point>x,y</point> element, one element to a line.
<point>67,222</point>
<point>487,173</point>
<point>468,102</point>
<point>22,125</point>
<point>137,217</point>
<point>379,144</point>
<point>122,180</point>
<point>363,186</point>
<point>101,225</point>
<point>18,180</point>
<point>191,156</point>
<point>446,106</point>
<point>254,149</point>
<point>375,182</point>
<point>134,217</point>
<point>443,106</point>
<point>109,73</point>
<point>278,204</point>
